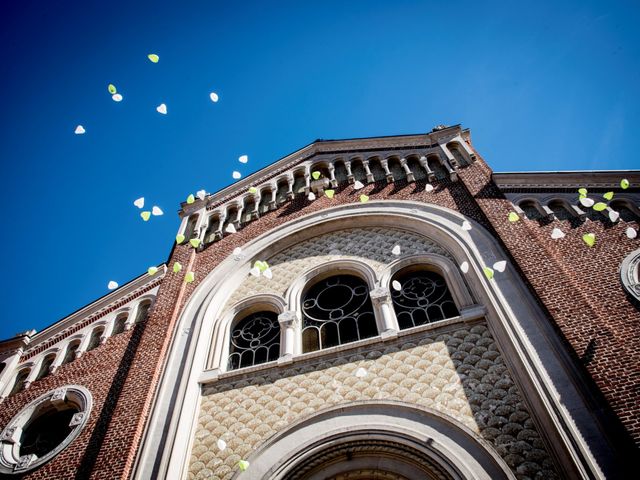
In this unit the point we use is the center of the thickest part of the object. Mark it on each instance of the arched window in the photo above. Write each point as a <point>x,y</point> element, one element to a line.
<point>143,311</point>
<point>358,171</point>
<point>265,198</point>
<point>435,164</point>
<point>255,339</point>
<point>45,366</point>
<point>453,148</point>
<point>94,341</point>
<point>337,310</point>
<point>118,326</point>
<point>530,210</point>
<point>423,298</point>
<point>70,355</point>
<point>212,227</point>
<point>249,207</point>
<point>299,182</point>
<point>283,190</point>
<point>560,210</point>
<point>18,384</point>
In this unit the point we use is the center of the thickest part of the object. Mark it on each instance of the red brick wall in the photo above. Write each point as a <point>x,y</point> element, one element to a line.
<point>578,286</point>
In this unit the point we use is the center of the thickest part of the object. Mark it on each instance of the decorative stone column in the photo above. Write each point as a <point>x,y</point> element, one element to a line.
<point>385,316</point>
<point>290,193</point>
<point>350,177</point>
<point>332,176</point>
<point>289,326</point>
<point>387,172</point>
<point>425,164</point>
<point>410,177</point>
<point>368,171</point>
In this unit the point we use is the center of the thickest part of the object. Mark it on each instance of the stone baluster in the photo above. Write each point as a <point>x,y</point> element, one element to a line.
<point>350,177</point>
<point>385,165</point>
<point>365,163</point>
<point>332,176</point>
<point>410,177</point>
<point>425,164</point>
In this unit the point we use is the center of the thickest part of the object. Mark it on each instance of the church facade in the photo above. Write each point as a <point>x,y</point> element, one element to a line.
<point>376,308</point>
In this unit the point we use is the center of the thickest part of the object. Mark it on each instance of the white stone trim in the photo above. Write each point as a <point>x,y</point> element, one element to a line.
<point>10,460</point>
<point>446,442</point>
<point>551,385</point>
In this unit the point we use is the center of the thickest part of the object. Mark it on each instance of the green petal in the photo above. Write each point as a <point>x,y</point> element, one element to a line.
<point>488,272</point>
<point>243,464</point>
<point>364,198</point>
<point>253,190</point>
<point>582,191</point>
<point>153,57</point>
<point>112,89</point>
<point>589,239</point>
<point>329,193</point>
<point>195,242</point>
<point>179,238</point>
<point>189,277</point>
<point>145,215</point>
<point>624,183</point>
<point>600,206</point>
<point>608,195</point>
<point>177,267</point>
<point>513,217</point>
<point>152,271</point>
<point>191,199</point>
<point>315,175</point>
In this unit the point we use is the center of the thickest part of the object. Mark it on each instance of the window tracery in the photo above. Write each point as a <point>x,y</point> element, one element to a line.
<point>337,310</point>
<point>423,298</point>
<point>254,340</point>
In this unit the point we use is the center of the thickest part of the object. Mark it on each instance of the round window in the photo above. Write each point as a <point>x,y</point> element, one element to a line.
<point>44,428</point>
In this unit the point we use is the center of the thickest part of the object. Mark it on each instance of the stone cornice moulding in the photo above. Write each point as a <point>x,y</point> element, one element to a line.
<point>609,179</point>
<point>426,140</point>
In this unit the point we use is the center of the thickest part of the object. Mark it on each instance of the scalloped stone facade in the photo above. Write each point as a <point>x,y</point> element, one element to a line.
<point>459,373</point>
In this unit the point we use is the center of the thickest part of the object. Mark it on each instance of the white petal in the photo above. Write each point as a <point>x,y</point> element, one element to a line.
<point>201,194</point>
<point>213,96</point>
<point>112,285</point>
<point>500,266</point>
<point>614,216</point>
<point>156,211</point>
<point>557,233</point>
<point>255,271</point>
<point>243,158</point>
<point>139,202</point>
<point>466,225</point>
<point>428,188</point>
<point>587,202</point>
<point>236,174</point>
<point>361,372</point>
<point>162,108</point>
<point>311,196</point>
<point>464,266</point>
<point>396,285</point>
<point>358,185</point>
<point>116,97</point>
<point>631,233</point>
<point>268,273</point>
<point>237,251</point>
<point>396,250</point>
<point>230,228</point>
<point>79,130</point>
<point>221,444</point>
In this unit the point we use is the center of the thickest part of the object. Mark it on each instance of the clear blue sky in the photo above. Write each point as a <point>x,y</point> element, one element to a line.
<point>542,85</point>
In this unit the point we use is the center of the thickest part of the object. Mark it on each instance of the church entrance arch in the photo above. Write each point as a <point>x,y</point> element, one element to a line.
<point>385,440</point>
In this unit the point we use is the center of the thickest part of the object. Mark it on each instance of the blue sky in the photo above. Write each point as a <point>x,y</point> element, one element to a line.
<point>542,85</point>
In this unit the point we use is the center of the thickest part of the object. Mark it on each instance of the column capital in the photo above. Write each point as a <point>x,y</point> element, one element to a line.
<point>380,295</point>
<point>288,319</point>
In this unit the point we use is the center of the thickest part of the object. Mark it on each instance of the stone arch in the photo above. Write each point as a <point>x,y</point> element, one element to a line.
<point>423,442</point>
<point>529,345</point>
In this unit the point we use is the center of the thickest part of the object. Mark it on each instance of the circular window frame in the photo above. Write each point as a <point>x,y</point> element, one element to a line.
<point>630,274</point>
<point>10,460</point>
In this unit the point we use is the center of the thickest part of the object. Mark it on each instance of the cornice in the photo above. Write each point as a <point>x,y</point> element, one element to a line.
<point>330,147</point>
<point>605,179</point>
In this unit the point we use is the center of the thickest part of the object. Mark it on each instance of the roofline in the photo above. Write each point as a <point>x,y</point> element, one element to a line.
<point>310,148</point>
<point>96,305</point>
